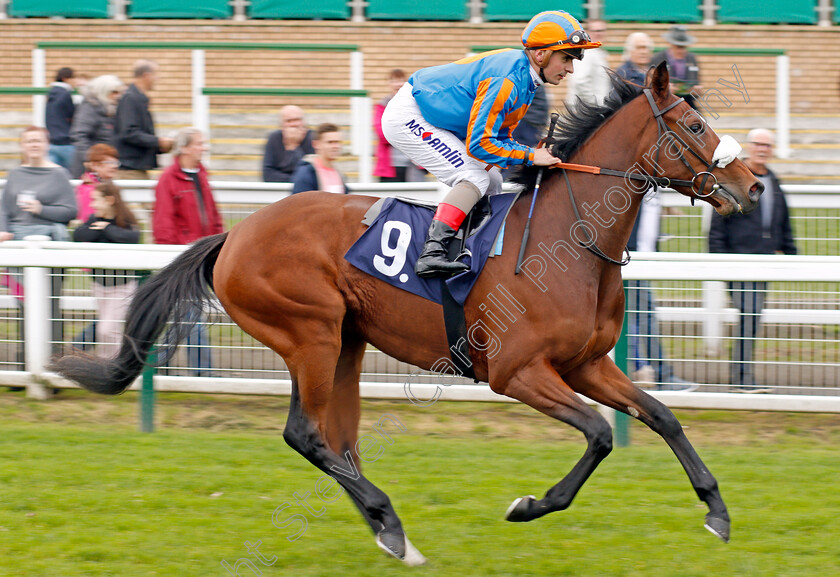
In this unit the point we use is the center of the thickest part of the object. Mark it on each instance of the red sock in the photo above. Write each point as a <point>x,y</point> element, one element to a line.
<point>450,215</point>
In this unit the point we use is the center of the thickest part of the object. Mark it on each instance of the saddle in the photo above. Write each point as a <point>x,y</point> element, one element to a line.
<point>476,219</point>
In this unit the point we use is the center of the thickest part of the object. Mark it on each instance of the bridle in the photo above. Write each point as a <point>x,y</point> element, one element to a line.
<point>652,180</point>
<point>663,128</point>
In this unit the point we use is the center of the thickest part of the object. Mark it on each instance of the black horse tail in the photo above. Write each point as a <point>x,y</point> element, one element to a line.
<point>172,295</point>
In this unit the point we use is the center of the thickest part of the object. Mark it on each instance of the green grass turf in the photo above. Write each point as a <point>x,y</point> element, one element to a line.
<point>96,498</point>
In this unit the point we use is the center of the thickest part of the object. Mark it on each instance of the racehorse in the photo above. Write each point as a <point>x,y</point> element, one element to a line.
<point>281,276</point>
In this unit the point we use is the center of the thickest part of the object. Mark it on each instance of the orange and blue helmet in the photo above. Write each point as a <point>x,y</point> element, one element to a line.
<point>557,30</point>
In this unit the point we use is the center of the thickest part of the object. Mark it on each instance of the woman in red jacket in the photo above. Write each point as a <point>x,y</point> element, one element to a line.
<point>184,207</point>
<point>185,212</point>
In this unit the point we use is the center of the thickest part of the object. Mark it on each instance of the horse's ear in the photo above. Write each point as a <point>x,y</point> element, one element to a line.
<point>659,80</point>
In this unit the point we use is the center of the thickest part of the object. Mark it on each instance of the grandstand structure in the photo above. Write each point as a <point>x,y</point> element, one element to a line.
<point>737,41</point>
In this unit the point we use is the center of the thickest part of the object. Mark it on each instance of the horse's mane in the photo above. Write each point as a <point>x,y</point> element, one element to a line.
<point>576,125</point>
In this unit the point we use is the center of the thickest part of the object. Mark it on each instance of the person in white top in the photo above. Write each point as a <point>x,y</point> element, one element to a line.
<point>590,81</point>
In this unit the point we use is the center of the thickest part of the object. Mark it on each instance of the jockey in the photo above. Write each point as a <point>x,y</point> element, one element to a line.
<point>455,120</point>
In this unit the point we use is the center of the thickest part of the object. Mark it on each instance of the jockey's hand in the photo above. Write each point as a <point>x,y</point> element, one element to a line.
<point>542,157</point>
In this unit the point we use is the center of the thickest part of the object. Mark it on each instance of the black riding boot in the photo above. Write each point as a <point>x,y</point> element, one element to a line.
<point>433,260</point>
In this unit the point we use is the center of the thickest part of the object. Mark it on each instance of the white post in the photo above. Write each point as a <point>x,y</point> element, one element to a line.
<point>365,144</point>
<point>709,13</point>
<point>782,106</point>
<point>357,10</point>
<point>239,10</point>
<point>118,9</point>
<point>475,11</point>
<point>824,11</point>
<point>360,132</point>
<point>39,79</point>
<point>714,302</point>
<point>200,102</point>
<point>36,322</point>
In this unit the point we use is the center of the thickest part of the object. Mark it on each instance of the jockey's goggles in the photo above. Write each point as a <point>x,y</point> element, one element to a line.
<point>578,39</point>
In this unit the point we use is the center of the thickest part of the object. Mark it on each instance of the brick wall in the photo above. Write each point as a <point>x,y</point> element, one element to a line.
<point>815,64</point>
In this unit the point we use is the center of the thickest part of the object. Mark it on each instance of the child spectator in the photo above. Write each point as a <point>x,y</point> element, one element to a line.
<point>111,221</point>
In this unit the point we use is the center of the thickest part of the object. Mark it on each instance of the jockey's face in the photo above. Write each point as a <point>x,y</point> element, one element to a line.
<point>559,64</point>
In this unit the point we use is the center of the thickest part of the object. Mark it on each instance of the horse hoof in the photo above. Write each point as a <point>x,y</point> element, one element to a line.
<point>520,510</point>
<point>392,543</point>
<point>413,557</point>
<point>400,547</point>
<point>718,527</point>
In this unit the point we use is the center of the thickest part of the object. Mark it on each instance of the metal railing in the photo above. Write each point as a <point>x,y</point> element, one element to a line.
<point>44,316</point>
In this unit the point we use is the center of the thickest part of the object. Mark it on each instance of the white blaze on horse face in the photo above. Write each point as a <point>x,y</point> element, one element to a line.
<point>727,150</point>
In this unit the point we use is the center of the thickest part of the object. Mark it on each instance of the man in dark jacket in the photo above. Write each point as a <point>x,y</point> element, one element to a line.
<point>286,147</point>
<point>135,130</point>
<point>765,230</point>
<point>59,116</point>
<point>682,64</point>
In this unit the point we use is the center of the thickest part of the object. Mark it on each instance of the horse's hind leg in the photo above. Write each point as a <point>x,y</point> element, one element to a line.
<point>540,387</point>
<point>604,382</point>
<point>307,432</point>
<point>343,423</point>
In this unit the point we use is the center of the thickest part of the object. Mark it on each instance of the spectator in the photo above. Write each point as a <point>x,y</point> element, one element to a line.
<point>135,129</point>
<point>82,81</point>
<point>111,221</point>
<point>102,163</point>
<point>645,344</point>
<point>59,116</point>
<point>38,197</point>
<point>287,146</point>
<point>636,58</point>
<point>391,164</point>
<point>94,120</point>
<point>184,212</point>
<point>101,166</point>
<point>765,230</point>
<point>591,81</point>
<point>38,200</point>
<point>682,64</point>
<point>316,172</point>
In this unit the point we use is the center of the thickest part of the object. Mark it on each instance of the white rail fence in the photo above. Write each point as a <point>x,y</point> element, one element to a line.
<point>38,257</point>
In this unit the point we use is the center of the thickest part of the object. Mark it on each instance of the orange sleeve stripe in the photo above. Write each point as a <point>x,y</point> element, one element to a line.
<point>476,107</point>
<point>498,106</point>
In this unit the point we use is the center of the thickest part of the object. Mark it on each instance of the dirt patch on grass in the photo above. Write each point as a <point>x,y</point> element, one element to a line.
<point>462,420</point>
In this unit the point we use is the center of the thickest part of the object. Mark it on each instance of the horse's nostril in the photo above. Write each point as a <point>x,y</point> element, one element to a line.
<point>756,190</point>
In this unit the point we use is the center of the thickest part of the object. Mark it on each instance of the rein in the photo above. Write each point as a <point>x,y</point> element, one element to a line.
<point>654,181</point>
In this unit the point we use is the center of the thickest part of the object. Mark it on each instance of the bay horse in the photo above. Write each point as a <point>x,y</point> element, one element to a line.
<point>281,276</point>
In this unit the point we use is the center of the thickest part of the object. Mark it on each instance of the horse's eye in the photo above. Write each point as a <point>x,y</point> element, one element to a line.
<point>696,128</point>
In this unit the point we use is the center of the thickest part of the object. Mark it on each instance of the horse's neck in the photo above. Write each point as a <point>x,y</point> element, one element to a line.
<point>609,204</point>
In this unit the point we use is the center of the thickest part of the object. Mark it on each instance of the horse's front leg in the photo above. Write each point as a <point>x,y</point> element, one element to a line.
<point>604,382</point>
<point>539,386</point>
